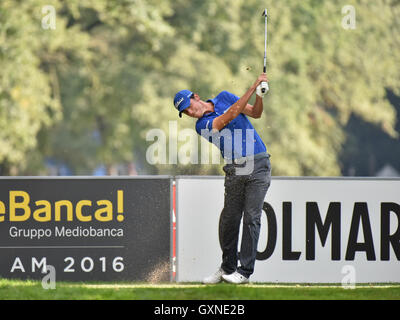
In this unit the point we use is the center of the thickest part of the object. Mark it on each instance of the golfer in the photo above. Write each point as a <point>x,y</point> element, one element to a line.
<point>244,191</point>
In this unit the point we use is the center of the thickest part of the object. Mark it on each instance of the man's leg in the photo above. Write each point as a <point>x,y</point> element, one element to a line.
<point>229,222</point>
<point>255,191</point>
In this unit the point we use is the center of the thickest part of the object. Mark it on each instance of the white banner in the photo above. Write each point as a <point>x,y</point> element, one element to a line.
<point>328,230</point>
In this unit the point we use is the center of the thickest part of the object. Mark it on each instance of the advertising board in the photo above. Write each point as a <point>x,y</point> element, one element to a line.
<point>86,228</point>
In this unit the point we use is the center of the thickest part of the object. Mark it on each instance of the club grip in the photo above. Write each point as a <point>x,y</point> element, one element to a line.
<point>264,87</point>
<point>266,84</point>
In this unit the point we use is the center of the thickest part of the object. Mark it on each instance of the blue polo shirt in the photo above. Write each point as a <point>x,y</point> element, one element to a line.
<point>234,138</point>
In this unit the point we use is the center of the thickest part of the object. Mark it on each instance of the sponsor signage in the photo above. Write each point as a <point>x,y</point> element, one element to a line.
<point>312,230</point>
<point>86,228</point>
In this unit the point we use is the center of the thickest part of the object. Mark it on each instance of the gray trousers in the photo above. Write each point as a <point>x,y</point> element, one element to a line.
<point>244,197</point>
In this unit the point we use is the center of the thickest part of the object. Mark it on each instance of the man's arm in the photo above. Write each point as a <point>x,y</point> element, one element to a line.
<point>238,107</point>
<point>256,110</point>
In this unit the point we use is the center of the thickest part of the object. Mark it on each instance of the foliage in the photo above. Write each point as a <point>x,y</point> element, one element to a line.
<point>87,93</point>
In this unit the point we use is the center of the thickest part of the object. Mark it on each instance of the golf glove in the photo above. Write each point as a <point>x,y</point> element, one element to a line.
<point>260,87</point>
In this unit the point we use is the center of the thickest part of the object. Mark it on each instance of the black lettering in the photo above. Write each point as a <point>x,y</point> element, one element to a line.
<point>386,238</point>
<point>287,253</point>
<point>332,220</point>
<point>271,232</point>
<point>360,214</point>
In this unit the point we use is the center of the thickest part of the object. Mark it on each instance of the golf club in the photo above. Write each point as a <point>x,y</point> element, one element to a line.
<point>264,85</point>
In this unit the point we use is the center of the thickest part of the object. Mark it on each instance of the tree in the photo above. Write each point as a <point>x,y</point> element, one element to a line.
<point>88,92</point>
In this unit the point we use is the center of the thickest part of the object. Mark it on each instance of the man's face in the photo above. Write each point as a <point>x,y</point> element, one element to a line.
<point>195,110</point>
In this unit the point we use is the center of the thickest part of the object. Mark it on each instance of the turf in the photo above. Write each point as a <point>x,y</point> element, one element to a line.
<point>26,290</point>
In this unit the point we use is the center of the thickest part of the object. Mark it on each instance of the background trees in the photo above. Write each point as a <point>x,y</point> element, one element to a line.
<point>85,94</point>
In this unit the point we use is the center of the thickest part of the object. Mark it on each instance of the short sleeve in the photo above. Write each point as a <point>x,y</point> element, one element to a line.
<point>204,123</point>
<point>204,127</point>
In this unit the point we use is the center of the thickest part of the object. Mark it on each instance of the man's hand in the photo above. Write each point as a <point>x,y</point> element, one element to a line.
<point>259,90</point>
<point>262,78</point>
<point>262,84</point>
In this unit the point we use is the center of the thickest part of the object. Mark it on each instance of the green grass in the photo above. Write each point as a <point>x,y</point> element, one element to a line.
<point>18,289</point>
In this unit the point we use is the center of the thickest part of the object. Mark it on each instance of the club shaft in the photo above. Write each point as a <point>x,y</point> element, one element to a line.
<point>265,43</point>
<point>263,90</point>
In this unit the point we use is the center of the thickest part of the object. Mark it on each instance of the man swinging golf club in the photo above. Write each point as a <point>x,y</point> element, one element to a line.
<point>244,192</point>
